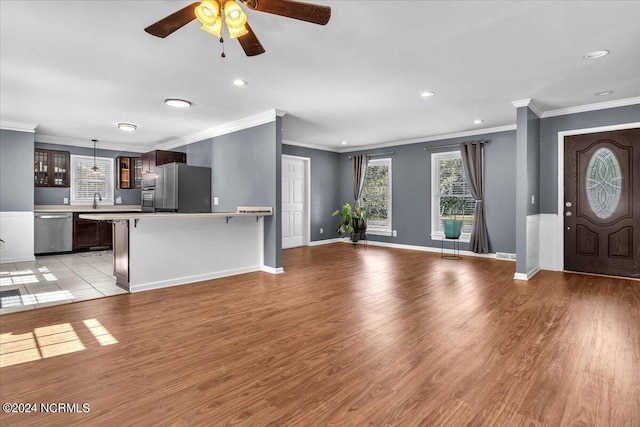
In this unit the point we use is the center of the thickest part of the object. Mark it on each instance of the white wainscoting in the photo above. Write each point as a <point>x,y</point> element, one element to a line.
<point>551,251</point>
<point>16,229</point>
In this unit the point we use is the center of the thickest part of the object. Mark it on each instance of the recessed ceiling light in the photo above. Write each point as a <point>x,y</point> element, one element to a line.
<point>478,121</point>
<point>596,54</point>
<point>178,103</point>
<point>427,94</point>
<point>240,82</point>
<point>603,93</point>
<point>344,143</point>
<point>127,127</point>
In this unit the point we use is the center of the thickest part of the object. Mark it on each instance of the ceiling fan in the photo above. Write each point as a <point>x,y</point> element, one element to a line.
<point>214,14</point>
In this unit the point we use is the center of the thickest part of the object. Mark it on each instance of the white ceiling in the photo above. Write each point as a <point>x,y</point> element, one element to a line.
<point>76,68</point>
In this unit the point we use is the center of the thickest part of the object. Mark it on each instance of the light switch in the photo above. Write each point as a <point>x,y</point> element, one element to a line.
<point>215,201</point>
<point>533,199</point>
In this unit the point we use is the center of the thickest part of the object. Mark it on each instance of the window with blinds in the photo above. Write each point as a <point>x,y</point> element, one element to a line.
<point>447,179</point>
<point>85,182</point>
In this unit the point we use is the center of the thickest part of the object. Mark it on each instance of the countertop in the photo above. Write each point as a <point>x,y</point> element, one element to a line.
<point>166,215</point>
<point>86,208</point>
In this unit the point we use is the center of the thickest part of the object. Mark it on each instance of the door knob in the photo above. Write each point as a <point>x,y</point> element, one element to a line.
<point>568,214</point>
<point>568,204</point>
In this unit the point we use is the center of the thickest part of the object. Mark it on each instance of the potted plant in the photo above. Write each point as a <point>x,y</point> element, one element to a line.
<point>353,221</point>
<point>451,206</point>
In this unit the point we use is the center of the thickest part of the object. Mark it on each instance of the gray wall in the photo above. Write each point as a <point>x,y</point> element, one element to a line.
<point>55,196</point>
<point>411,166</point>
<point>16,171</point>
<point>549,128</point>
<point>325,189</point>
<point>245,167</point>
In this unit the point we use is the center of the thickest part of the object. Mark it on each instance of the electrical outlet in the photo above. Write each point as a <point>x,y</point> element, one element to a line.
<point>215,201</point>
<point>321,230</point>
<point>395,233</point>
<point>65,200</point>
<point>533,199</point>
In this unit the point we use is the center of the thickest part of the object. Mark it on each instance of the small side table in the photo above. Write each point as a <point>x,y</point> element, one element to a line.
<point>456,249</point>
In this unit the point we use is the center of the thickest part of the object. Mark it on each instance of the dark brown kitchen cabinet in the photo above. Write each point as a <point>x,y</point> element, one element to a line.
<point>160,157</point>
<point>89,234</point>
<point>129,172</point>
<point>51,168</point>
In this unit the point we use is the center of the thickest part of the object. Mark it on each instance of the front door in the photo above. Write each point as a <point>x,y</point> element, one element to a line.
<point>293,202</point>
<point>602,203</point>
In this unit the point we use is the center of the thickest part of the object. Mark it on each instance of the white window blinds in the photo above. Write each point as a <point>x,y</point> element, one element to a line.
<point>85,182</point>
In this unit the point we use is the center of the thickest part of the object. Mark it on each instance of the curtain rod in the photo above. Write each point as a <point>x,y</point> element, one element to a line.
<point>454,145</point>
<point>387,153</point>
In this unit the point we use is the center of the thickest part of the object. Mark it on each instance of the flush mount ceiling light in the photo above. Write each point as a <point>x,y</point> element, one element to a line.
<point>240,82</point>
<point>603,93</point>
<point>596,54</point>
<point>427,94</point>
<point>344,143</point>
<point>127,127</point>
<point>95,166</point>
<point>177,103</point>
<point>478,121</point>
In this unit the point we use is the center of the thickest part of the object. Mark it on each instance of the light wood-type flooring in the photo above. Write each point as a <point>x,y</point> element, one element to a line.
<point>345,337</point>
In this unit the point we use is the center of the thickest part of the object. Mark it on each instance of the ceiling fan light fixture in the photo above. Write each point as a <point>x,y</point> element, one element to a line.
<point>234,32</point>
<point>215,29</point>
<point>127,127</point>
<point>234,15</point>
<point>177,103</point>
<point>208,12</point>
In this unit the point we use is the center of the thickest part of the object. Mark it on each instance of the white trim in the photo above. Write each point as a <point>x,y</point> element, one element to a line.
<point>18,126</point>
<point>424,249</point>
<point>378,229</point>
<point>559,262</point>
<point>311,146</point>
<point>419,140</point>
<point>464,238</point>
<point>189,280</point>
<point>272,270</point>
<point>76,142</point>
<point>528,275</point>
<point>506,256</point>
<point>528,102</point>
<point>307,177</point>
<point>326,241</point>
<point>223,129</point>
<point>591,107</point>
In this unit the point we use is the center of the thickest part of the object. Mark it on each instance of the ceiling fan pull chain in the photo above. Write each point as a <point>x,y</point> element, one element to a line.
<point>222,41</point>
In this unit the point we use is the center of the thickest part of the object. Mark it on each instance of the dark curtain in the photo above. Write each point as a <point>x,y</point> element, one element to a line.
<point>359,175</point>
<point>473,167</point>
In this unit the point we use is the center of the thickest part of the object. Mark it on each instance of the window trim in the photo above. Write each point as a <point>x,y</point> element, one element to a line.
<point>107,199</point>
<point>387,230</point>
<point>435,190</point>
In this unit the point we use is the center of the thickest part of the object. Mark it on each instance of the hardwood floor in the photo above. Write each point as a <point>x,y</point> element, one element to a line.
<point>345,337</point>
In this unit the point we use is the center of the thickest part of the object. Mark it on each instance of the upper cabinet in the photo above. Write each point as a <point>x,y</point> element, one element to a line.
<point>129,172</point>
<point>51,168</point>
<point>160,157</point>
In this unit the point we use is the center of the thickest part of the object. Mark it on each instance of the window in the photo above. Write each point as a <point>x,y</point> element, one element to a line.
<point>85,182</point>
<point>447,179</point>
<point>377,196</point>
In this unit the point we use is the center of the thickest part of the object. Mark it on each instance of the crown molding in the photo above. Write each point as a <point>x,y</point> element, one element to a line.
<point>312,146</point>
<point>18,126</point>
<point>223,129</point>
<point>103,145</point>
<point>528,102</point>
<point>430,138</point>
<point>591,107</point>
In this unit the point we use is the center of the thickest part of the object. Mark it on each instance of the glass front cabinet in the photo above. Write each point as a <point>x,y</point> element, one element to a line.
<point>51,168</point>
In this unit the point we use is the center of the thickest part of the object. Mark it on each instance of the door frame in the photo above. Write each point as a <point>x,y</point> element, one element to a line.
<point>306,233</point>
<point>560,225</point>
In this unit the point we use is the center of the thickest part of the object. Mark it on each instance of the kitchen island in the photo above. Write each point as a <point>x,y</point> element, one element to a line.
<point>156,250</point>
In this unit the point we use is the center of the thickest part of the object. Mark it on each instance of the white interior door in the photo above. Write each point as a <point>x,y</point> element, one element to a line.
<point>294,198</point>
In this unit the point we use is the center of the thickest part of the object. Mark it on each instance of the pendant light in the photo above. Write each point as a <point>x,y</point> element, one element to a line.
<point>95,167</point>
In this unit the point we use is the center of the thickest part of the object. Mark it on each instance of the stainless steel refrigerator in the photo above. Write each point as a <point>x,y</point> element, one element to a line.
<point>182,188</point>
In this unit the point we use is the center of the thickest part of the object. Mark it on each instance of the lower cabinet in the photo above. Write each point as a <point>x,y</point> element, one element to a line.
<point>90,235</point>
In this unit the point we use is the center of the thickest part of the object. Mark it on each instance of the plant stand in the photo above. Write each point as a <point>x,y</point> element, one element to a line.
<point>456,249</point>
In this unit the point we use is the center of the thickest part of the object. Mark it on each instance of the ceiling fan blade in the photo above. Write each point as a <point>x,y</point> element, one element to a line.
<point>250,43</point>
<point>173,22</point>
<point>314,13</point>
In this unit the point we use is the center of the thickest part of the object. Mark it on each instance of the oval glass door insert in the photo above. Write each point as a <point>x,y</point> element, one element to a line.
<point>604,183</point>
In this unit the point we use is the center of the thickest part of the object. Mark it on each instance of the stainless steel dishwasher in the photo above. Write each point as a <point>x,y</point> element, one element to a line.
<point>53,232</point>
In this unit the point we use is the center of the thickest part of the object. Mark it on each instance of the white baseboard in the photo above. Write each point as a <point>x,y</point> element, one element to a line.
<point>528,275</point>
<point>16,229</point>
<point>422,248</point>
<point>325,242</point>
<point>272,270</point>
<point>187,280</point>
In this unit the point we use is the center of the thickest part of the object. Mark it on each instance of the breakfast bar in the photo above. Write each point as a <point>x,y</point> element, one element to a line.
<point>156,250</point>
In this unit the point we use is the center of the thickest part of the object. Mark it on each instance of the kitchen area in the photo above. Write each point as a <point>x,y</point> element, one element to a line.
<point>74,240</point>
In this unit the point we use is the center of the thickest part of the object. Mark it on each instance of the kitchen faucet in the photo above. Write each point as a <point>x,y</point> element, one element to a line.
<point>95,204</point>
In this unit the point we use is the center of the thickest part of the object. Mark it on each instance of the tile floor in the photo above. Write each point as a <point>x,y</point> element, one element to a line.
<point>58,279</point>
